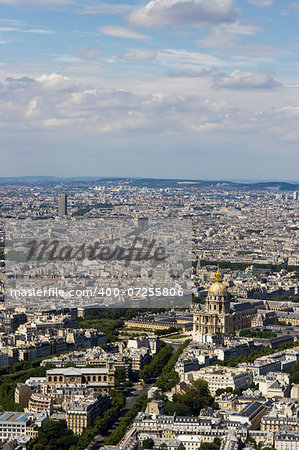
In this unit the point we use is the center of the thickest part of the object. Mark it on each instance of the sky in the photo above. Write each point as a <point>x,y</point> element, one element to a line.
<point>196,89</point>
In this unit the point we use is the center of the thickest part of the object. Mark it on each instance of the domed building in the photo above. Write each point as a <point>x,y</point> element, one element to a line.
<point>218,316</point>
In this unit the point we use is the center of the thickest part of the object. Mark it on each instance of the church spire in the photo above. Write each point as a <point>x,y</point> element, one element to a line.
<point>218,278</point>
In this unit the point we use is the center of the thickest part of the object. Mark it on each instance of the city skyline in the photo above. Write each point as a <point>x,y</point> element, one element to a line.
<point>157,314</point>
<point>157,89</point>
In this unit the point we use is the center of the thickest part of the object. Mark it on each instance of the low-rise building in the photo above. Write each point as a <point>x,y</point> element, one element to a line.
<point>252,413</point>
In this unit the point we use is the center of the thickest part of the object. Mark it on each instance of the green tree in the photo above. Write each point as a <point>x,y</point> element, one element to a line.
<point>158,362</point>
<point>54,435</point>
<point>120,376</point>
<point>148,443</point>
<point>190,403</point>
<point>295,373</point>
<point>69,364</point>
<point>215,445</point>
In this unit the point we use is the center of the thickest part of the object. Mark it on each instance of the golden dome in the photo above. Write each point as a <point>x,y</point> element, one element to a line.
<point>217,287</point>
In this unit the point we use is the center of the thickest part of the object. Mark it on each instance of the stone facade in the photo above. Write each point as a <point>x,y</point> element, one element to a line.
<point>218,316</point>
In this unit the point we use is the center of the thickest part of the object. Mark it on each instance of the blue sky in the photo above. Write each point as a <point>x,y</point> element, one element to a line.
<point>204,89</point>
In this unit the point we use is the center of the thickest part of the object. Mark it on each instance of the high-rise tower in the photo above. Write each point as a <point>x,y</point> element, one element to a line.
<point>62,205</point>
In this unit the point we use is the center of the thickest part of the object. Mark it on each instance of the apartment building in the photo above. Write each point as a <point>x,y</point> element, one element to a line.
<point>14,425</point>
<point>223,377</point>
<point>286,440</point>
<point>40,402</point>
<point>82,413</point>
<point>278,422</point>
<point>170,427</point>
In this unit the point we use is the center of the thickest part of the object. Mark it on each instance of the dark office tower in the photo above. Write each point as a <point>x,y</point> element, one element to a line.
<point>62,205</point>
<point>142,223</point>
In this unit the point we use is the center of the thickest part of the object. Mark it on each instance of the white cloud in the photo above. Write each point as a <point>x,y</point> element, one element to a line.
<point>235,80</point>
<point>4,29</point>
<point>57,117</point>
<point>50,3</point>
<point>140,55</point>
<point>262,3</point>
<point>292,8</point>
<point>106,8</point>
<point>241,28</point>
<point>185,60</point>
<point>33,111</point>
<point>245,80</point>
<point>20,29</point>
<point>222,39</point>
<point>159,13</point>
<point>122,32</point>
<point>191,73</point>
<point>89,54</point>
<point>53,100</point>
<point>56,82</point>
<point>38,31</point>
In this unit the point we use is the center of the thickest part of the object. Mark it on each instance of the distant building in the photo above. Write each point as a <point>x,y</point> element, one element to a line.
<point>62,205</point>
<point>142,223</point>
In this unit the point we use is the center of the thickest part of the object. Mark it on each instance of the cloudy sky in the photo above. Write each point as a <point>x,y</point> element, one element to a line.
<point>202,89</point>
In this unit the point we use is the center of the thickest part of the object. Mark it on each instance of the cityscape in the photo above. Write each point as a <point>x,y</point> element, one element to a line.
<point>212,364</point>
